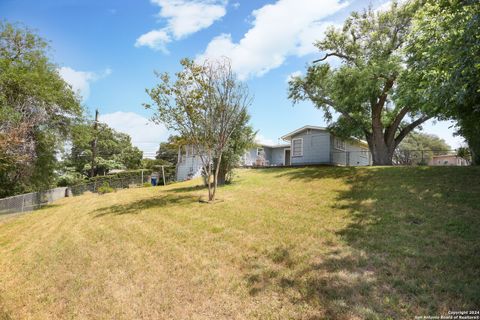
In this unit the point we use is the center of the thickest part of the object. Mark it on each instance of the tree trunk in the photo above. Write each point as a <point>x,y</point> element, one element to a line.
<point>209,184</point>
<point>222,177</point>
<point>382,150</point>
<point>474,146</point>
<point>215,177</point>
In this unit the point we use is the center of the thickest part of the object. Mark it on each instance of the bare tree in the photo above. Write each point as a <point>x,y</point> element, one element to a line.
<point>204,105</point>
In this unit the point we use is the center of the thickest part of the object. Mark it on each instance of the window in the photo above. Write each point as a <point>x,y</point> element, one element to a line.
<point>339,144</point>
<point>260,151</point>
<point>363,154</point>
<point>297,147</point>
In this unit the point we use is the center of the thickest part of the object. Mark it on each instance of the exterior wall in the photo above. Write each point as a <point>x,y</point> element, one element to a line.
<point>358,155</point>
<point>448,160</point>
<point>316,147</point>
<point>353,155</point>
<point>273,156</point>
<point>268,155</point>
<point>277,156</point>
<point>249,157</point>
<point>189,166</point>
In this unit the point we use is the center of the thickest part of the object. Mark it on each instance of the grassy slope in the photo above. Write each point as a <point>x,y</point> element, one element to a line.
<point>313,243</point>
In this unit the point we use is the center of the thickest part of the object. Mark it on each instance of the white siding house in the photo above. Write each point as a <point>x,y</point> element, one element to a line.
<point>189,164</point>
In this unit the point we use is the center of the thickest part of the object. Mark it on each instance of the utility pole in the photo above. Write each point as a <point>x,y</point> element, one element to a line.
<point>94,144</point>
<point>163,175</point>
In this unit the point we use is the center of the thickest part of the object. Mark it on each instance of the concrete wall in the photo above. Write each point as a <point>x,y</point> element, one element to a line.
<point>316,147</point>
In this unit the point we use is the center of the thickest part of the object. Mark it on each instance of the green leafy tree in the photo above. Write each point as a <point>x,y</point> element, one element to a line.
<point>444,59</point>
<point>204,105</point>
<point>241,140</point>
<point>114,150</point>
<point>155,165</point>
<point>365,88</point>
<point>168,150</point>
<point>37,108</point>
<point>464,153</point>
<point>418,148</point>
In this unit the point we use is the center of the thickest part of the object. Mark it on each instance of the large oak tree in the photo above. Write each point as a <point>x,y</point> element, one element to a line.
<point>360,77</point>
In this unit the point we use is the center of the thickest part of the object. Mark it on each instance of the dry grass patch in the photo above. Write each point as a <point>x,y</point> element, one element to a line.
<point>306,243</point>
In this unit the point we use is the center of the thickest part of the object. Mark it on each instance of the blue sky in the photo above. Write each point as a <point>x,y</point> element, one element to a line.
<point>109,49</point>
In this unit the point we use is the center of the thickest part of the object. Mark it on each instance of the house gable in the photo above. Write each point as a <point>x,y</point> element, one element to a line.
<point>315,146</point>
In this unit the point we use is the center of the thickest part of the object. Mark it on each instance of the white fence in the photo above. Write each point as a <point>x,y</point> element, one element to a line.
<point>30,201</point>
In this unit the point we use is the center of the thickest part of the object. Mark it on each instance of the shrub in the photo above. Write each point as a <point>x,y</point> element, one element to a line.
<point>147,184</point>
<point>105,188</point>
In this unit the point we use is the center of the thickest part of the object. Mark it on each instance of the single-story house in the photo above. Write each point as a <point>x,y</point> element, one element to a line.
<point>448,160</point>
<point>307,145</point>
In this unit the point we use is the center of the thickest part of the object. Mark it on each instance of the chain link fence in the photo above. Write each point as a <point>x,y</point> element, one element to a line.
<point>116,183</point>
<point>402,157</point>
<point>34,200</point>
<point>31,201</point>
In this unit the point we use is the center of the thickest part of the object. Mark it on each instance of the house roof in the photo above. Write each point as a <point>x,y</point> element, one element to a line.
<point>288,136</point>
<point>445,155</point>
<point>275,146</point>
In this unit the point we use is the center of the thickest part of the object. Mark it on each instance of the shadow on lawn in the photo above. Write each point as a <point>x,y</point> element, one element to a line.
<point>411,247</point>
<point>188,189</point>
<point>144,204</point>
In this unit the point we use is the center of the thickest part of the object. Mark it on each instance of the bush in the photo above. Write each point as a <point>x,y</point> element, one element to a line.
<point>105,188</point>
<point>147,184</point>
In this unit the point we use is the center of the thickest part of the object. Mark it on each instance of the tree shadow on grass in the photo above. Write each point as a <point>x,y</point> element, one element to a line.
<point>145,204</point>
<point>188,189</point>
<point>411,246</point>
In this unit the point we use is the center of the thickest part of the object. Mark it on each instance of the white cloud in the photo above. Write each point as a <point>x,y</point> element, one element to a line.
<point>183,17</point>
<point>288,27</point>
<point>236,5</point>
<point>155,39</point>
<point>81,80</point>
<point>294,74</point>
<point>145,134</point>
<point>260,139</point>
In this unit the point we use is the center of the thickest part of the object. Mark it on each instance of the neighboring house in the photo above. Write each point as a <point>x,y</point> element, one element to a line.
<point>448,160</point>
<point>306,145</point>
<point>189,164</point>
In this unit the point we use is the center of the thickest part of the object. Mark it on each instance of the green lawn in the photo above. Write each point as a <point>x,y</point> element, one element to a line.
<point>305,243</point>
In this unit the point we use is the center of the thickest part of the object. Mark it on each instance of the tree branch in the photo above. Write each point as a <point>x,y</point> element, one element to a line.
<point>403,133</point>
<point>335,54</point>
<point>392,128</point>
